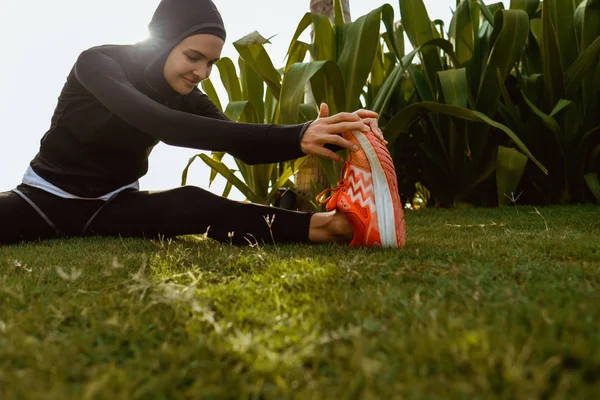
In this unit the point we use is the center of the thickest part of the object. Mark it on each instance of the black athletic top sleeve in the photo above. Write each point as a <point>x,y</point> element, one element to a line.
<point>200,104</point>
<point>104,78</point>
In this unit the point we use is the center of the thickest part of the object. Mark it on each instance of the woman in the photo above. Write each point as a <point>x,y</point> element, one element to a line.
<point>119,102</point>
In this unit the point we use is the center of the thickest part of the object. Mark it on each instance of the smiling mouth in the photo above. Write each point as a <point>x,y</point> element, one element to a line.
<point>191,83</point>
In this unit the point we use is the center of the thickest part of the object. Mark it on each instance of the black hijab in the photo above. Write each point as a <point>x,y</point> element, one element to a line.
<point>172,22</point>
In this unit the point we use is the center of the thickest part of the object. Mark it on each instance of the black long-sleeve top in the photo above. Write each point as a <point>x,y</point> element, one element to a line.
<point>113,110</point>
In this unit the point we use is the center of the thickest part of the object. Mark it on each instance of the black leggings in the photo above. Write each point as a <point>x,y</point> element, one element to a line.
<point>30,214</point>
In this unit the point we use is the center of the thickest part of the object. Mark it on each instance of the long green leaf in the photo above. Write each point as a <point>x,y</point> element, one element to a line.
<point>591,178</point>
<point>230,176</point>
<point>536,25</point>
<point>236,109</point>
<point>209,89</point>
<point>399,42</point>
<point>338,13</point>
<point>251,49</point>
<point>227,189</point>
<point>484,173</point>
<point>304,23</point>
<point>458,148</point>
<point>358,55</point>
<point>529,6</point>
<point>481,55</point>
<point>271,106</point>
<point>439,24</point>
<point>308,112</point>
<point>587,21</point>
<point>562,104</point>
<point>285,175</point>
<point>323,41</point>
<point>583,148</point>
<point>218,156</point>
<point>562,13</point>
<point>443,44</point>
<point>592,133</point>
<point>326,88</point>
<point>509,111</point>
<point>332,171</point>
<point>591,24</point>
<point>548,121</point>
<point>586,62</point>
<point>230,79</point>
<point>454,86</point>
<point>554,84</point>
<point>579,17</point>
<point>246,171</point>
<point>261,178</point>
<point>509,171</point>
<point>394,32</point>
<point>593,183</point>
<point>384,94</point>
<point>294,84</point>
<point>533,63</point>
<point>511,29</point>
<point>419,30</point>
<point>184,175</point>
<point>421,85</point>
<point>253,89</point>
<point>462,32</point>
<point>406,117</point>
<point>377,77</point>
<point>487,13</point>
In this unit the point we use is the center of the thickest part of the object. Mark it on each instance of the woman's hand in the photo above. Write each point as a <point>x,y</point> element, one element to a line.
<point>328,130</point>
<point>370,118</point>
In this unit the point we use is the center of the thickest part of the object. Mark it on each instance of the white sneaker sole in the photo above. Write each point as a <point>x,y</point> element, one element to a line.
<point>386,220</point>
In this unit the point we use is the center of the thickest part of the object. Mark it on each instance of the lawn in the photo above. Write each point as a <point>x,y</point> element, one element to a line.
<point>480,304</point>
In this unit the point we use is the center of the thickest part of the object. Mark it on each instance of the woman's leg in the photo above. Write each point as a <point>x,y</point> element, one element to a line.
<point>192,210</point>
<point>19,222</point>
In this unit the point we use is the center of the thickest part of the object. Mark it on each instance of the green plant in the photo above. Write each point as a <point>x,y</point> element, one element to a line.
<point>554,99</point>
<point>247,103</point>
<point>351,69</point>
<point>459,84</point>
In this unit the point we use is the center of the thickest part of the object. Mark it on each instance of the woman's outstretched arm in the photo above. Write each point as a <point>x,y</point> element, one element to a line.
<point>200,104</point>
<point>105,79</point>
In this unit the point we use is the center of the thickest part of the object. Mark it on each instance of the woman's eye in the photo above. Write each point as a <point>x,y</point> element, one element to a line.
<point>194,59</point>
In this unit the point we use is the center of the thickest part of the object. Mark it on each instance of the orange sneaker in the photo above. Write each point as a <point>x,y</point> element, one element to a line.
<point>367,194</point>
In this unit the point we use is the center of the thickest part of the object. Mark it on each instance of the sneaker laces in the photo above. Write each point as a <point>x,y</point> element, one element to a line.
<point>341,184</point>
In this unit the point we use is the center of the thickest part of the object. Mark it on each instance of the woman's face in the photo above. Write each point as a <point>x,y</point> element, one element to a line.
<point>191,61</point>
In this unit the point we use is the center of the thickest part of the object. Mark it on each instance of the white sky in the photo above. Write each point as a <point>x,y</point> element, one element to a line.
<point>41,39</point>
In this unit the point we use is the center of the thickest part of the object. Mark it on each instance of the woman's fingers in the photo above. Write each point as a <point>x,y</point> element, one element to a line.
<point>322,151</point>
<point>324,111</point>
<point>347,126</point>
<point>366,113</point>
<point>372,122</point>
<point>342,117</point>
<point>341,142</point>
<point>329,129</point>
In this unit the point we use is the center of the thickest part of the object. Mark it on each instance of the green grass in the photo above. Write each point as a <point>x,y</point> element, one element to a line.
<point>505,305</point>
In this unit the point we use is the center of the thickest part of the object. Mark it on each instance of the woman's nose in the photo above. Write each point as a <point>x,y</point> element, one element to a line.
<point>201,72</point>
